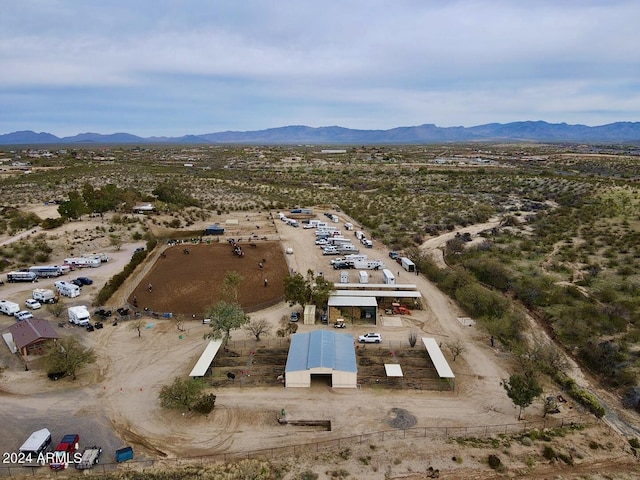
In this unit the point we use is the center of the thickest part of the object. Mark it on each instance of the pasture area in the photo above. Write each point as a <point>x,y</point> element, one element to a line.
<point>261,365</point>
<point>189,283</point>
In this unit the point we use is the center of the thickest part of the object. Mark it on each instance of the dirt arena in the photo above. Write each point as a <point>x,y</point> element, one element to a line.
<point>190,283</point>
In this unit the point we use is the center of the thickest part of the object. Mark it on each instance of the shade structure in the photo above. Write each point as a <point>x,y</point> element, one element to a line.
<point>204,362</point>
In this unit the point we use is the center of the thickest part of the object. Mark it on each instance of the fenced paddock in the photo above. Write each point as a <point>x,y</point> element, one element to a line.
<point>261,364</point>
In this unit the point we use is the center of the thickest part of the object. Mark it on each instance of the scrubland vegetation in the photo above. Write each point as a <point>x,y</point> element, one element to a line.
<point>567,248</point>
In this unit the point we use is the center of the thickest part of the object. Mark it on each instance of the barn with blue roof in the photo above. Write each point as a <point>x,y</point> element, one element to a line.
<point>322,355</point>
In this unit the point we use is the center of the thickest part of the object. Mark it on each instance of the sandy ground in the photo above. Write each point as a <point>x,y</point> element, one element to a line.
<point>114,401</point>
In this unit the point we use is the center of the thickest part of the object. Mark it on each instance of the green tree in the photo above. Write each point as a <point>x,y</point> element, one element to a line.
<point>522,390</point>
<point>68,355</point>
<point>74,207</point>
<point>225,317</point>
<point>319,289</point>
<point>296,289</point>
<point>182,393</point>
<point>229,288</point>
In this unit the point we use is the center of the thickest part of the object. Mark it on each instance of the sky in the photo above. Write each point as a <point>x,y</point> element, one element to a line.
<point>178,67</point>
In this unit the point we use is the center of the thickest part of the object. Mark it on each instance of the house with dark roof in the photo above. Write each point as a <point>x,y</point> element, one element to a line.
<point>27,335</point>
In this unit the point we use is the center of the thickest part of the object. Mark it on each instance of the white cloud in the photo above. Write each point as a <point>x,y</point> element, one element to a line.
<point>375,64</point>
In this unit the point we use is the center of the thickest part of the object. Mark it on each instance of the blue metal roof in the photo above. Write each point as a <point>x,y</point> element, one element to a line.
<point>321,349</point>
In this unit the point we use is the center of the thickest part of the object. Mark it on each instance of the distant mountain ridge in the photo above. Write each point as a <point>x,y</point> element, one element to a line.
<point>532,131</point>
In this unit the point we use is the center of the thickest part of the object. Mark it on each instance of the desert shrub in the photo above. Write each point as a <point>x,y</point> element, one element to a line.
<point>549,453</point>
<point>308,475</point>
<point>634,442</point>
<point>50,223</point>
<point>494,461</point>
<point>205,404</point>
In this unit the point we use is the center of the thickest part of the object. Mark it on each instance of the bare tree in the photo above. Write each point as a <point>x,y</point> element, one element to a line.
<point>456,348</point>
<point>258,327</point>
<point>178,320</point>
<point>137,325</point>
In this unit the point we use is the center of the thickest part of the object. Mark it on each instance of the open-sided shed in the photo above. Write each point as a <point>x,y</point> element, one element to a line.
<point>438,360</point>
<point>322,353</point>
<point>354,306</point>
<point>204,362</point>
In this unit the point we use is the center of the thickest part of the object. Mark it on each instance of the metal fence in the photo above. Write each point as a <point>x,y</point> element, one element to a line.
<point>412,435</point>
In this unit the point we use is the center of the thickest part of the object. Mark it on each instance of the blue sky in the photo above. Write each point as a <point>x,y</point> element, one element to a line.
<point>170,67</point>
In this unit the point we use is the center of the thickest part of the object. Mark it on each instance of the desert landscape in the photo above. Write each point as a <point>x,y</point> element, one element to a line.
<point>384,429</point>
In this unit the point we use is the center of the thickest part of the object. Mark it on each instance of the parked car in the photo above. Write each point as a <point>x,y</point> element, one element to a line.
<point>295,316</point>
<point>322,241</point>
<point>77,282</point>
<point>393,255</point>
<point>370,338</point>
<point>85,280</point>
<point>23,315</point>
<point>138,250</point>
<point>32,304</point>
<point>307,226</point>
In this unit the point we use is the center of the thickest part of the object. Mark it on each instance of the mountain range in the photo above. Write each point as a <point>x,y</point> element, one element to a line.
<point>527,131</point>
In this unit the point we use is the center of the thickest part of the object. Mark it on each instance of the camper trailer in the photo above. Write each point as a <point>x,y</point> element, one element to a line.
<point>67,289</point>
<point>388,277</point>
<point>79,315</point>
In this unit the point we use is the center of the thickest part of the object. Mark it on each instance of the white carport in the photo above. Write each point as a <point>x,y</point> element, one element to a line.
<point>438,360</point>
<point>321,353</point>
<point>204,362</point>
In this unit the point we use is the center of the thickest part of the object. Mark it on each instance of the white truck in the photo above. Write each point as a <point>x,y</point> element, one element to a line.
<point>9,308</point>
<point>90,456</point>
<point>79,315</point>
<point>44,295</point>
<point>67,289</point>
<point>37,442</point>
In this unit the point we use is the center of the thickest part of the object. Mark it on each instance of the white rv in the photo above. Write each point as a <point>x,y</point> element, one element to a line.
<point>44,295</point>
<point>9,308</point>
<point>67,289</point>
<point>83,261</point>
<point>79,315</point>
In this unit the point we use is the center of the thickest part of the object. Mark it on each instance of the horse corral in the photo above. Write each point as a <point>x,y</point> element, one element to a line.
<point>186,279</point>
<point>261,366</point>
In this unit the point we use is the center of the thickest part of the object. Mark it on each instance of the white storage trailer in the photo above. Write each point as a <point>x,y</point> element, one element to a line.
<point>37,442</point>
<point>388,277</point>
<point>363,276</point>
<point>407,264</point>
